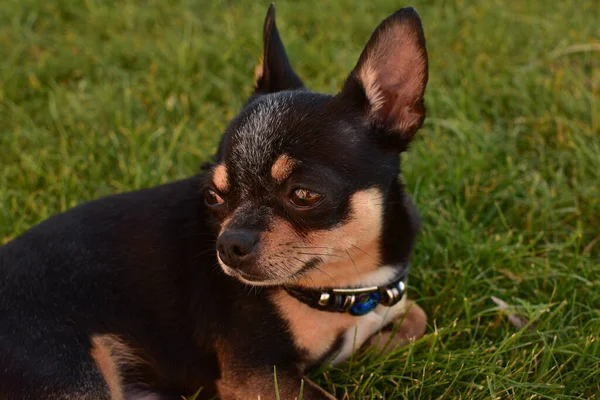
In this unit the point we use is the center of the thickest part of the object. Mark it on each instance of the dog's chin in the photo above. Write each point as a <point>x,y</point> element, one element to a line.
<point>254,280</point>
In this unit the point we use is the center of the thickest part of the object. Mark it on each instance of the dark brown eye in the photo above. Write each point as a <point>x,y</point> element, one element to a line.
<point>212,198</point>
<point>305,198</point>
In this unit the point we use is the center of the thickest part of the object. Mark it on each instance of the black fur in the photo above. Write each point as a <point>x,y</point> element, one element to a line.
<point>277,73</point>
<point>143,265</point>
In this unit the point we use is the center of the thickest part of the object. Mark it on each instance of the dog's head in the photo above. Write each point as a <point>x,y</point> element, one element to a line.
<point>303,182</point>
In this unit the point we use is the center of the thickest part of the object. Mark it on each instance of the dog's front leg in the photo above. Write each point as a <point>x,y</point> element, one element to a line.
<point>255,385</point>
<point>244,377</point>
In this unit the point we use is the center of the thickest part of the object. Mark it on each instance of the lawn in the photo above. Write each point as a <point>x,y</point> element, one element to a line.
<point>100,97</point>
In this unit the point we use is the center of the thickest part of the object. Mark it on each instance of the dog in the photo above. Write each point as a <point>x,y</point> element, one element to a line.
<point>288,250</point>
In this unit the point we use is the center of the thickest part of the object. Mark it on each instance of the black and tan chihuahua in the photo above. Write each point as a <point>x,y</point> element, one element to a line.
<point>289,250</point>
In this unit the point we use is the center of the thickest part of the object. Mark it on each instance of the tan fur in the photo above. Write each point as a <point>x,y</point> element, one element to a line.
<point>395,64</point>
<point>262,387</point>
<point>351,250</point>
<point>220,178</point>
<point>368,75</point>
<point>258,71</point>
<point>110,353</point>
<point>282,168</point>
<point>240,382</point>
<point>102,353</point>
<point>253,386</point>
<point>313,330</point>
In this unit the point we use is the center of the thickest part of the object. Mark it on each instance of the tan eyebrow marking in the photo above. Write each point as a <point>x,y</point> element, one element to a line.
<point>220,178</point>
<point>282,168</point>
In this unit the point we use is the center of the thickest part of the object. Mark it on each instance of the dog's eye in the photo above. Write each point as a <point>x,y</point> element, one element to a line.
<point>212,198</point>
<point>305,198</point>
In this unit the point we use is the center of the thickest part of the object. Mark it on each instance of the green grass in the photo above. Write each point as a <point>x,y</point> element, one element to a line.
<point>99,97</point>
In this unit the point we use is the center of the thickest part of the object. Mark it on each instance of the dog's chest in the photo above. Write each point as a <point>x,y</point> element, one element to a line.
<point>316,332</point>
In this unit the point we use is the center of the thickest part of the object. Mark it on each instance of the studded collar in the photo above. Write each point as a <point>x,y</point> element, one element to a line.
<point>355,301</point>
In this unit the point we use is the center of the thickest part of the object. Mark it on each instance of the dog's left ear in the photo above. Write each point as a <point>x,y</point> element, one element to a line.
<point>388,82</point>
<point>274,73</point>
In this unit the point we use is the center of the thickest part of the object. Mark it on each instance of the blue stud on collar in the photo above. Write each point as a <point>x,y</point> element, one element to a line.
<point>365,303</point>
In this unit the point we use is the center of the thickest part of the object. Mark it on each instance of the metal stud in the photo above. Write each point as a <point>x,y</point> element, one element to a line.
<point>392,295</point>
<point>348,302</point>
<point>324,300</point>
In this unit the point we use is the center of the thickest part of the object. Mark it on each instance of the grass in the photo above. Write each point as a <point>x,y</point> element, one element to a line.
<point>99,97</point>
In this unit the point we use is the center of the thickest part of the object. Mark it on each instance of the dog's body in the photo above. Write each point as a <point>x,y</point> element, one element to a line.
<point>123,297</point>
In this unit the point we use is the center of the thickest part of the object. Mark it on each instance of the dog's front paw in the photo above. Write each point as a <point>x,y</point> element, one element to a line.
<point>409,326</point>
<point>262,388</point>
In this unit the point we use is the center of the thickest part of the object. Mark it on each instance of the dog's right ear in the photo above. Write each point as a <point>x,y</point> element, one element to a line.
<point>389,80</point>
<point>274,72</point>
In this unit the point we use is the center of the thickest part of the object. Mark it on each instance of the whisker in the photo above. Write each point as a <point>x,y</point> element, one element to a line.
<point>318,248</point>
<point>364,252</point>
<point>320,255</point>
<point>285,244</point>
<point>314,247</point>
<point>217,268</point>
<point>318,269</point>
<point>301,262</point>
<point>297,278</point>
<point>353,263</point>
<point>204,252</point>
<point>330,277</point>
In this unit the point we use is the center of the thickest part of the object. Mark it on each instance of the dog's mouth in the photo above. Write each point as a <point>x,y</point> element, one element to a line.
<point>268,279</point>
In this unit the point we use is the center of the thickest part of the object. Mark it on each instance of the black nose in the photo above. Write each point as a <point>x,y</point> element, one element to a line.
<point>236,247</point>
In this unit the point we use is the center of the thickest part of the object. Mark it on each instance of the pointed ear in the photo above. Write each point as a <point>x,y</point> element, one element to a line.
<point>274,72</point>
<point>389,79</point>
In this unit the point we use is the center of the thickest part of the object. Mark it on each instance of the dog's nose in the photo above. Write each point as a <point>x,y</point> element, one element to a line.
<point>235,247</point>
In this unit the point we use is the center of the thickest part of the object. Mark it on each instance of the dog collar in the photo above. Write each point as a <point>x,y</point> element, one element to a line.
<point>355,301</point>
